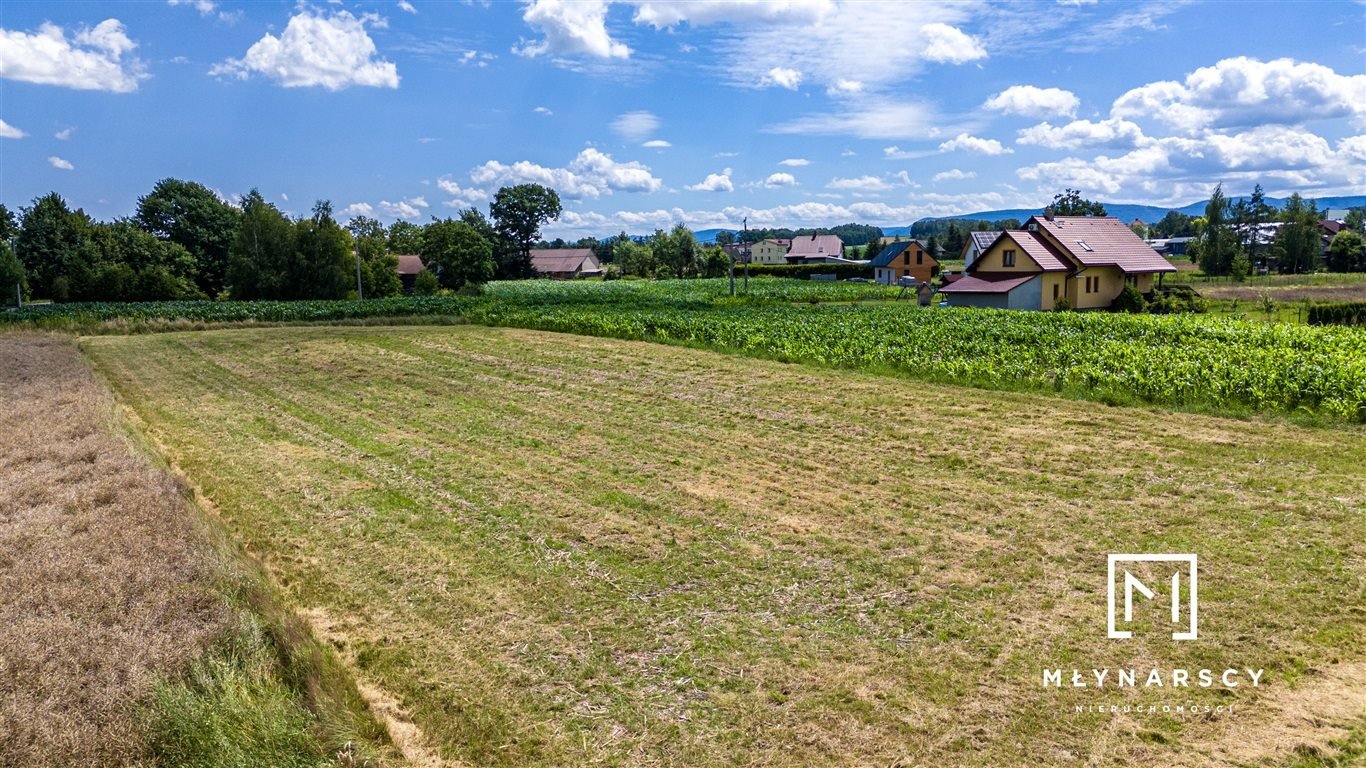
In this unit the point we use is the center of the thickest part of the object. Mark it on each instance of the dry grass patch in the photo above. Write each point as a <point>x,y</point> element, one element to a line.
<point>559,550</point>
<point>129,635</point>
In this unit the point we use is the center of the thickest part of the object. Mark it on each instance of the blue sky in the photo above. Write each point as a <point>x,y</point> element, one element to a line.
<point>647,113</point>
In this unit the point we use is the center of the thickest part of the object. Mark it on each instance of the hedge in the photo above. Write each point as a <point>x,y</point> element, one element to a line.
<point>1338,313</point>
<point>805,271</point>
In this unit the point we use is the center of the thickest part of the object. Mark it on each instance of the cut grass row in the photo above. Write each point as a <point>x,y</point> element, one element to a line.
<point>560,550</point>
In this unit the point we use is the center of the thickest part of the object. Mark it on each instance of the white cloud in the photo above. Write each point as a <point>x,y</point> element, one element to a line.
<point>92,61</point>
<point>1242,92</point>
<point>460,197</point>
<point>635,126</point>
<point>543,111</point>
<point>795,162</point>
<point>656,144</point>
<point>782,77</point>
<point>860,184</point>
<point>405,6</point>
<point>590,175</point>
<point>897,153</point>
<point>8,131</point>
<point>334,52</point>
<point>63,134</point>
<point>284,197</point>
<point>951,45</point>
<point>356,209</point>
<point>571,28</point>
<point>954,175</point>
<point>715,182</point>
<point>477,58</point>
<point>1032,101</point>
<point>831,43</point>
<point>1077,2</point>
<point>776,180</point>
<point>726,154</point>
<point>845,88</point>
<point>205,7</point>
<point>1175,168</point>
<point>661,14</point>
<point>1114,132</point>
<point>410,208</point>
<point>60,164</point>
<point>884,120</point>
<point>973,144</point>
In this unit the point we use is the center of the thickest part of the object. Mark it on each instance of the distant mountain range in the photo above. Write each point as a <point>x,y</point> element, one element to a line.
<point>1124,211</point>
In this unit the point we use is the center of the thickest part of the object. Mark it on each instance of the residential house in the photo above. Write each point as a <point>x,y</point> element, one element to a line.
<point>976,243</point>
<point>904,258</point>
<point>769,251</point>
<point>816,249</point>
<point>409,266</point>
<point>1086,259</point>
<point>565,263</point>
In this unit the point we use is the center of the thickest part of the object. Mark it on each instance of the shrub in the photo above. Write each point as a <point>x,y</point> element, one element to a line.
<point>426,284</point>
<point>1062,304</point>
<point>805,271</point>
<point>1129,300</point>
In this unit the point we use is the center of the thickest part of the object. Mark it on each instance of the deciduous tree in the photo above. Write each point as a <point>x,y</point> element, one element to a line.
<point>191,215</point>
<point>518,213</point>
<point>457,254</point>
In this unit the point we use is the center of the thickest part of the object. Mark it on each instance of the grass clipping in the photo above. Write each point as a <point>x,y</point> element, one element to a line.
<point>129,633</point>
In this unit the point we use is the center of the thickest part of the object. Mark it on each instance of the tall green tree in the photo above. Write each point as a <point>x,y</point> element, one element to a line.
<point>13,283</point>
<point>676,251</point>
<point>1071,203</point>
<point>262,253</point>
<point>191,215</point>
<point>518,213</point>
<point>405,238</point>
<point>1218,243</point>
<point>1347,252</point>
<point>634,258</point>
<point>457,253</point>
<point>1297,245</point>
<point>55,242</point>
<point>323,267</point>
<point>378,268</point>
<point>9,224</point>
<point>1249,214</point>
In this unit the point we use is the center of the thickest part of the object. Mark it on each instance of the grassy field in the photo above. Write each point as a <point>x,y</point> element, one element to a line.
<point>131,634</point>
<point>559,550</point>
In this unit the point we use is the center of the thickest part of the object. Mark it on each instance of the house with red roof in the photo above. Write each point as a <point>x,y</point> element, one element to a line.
<point>815,249</point>
<point>1086,259</point>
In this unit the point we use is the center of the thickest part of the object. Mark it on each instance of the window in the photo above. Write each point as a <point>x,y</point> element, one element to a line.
<point>1084,246</point>
<point>919,257</point>
<point>906,258</point>
<point>1008,258</point>
<point>1055,291</point>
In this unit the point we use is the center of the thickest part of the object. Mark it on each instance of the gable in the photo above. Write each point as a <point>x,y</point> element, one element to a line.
<point>1097,241</point>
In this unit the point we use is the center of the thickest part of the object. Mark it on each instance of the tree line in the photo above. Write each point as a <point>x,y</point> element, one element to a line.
<point>1236,238</point>
<point>185,242</point>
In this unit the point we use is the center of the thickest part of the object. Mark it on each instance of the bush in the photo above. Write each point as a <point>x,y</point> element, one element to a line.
<point>1062,304</point>
<point>1338,313</point>
<point>426,284</point>
<point>1129,300</point>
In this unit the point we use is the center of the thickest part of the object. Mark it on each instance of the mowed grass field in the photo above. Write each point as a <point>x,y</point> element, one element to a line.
<point>550,549</point>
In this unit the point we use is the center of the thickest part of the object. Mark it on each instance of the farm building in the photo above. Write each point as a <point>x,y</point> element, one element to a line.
<point>409,266</point>
<point>565,263</point>
<point>901,259</point>
<point>815,249</point>
<point>1086,259</point>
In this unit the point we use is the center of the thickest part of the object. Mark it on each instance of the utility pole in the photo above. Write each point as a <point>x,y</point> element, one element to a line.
<point>744,252</point>
<point>732,276</point>
<point>360,295</point>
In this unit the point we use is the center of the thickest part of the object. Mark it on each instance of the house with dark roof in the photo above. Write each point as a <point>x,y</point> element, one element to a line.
<point>975,244</point>
<point>1088,260</point>
<point>903,258</point>
<point>409,266</point>
<point>815,249</point>
<point>565,263</point>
